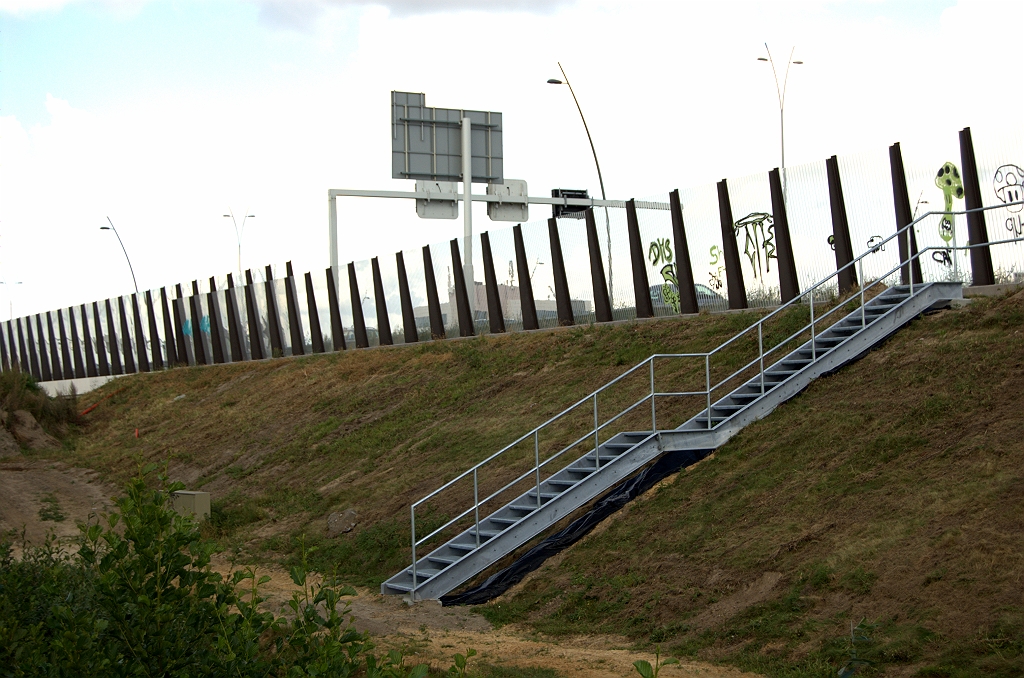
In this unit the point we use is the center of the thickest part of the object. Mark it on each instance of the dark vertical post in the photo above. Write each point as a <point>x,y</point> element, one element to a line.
<point>65,348</point>
<point>101,353</point>
<point>178,313</point>
<point>526,300</point>
<point>234,322</point>
<point>684,270</point>
<point>316,336</point>
<point>357,308</point>
<point>4,358</point>
<point>495,315</point>
<point>170,336</point>
<point>433,304</point>
<point>982,272</point>
<point>76,346</point>
<point>901,201</point>
<point>383,321</point>
<point>276,342</point>
<point>294,316</point>
<point>32,360</point>
<point>216,330</point>
<point>337,328</point>
<point>26,361</point>
<point>154,333</point>
<point>466,327</point>
<point>44,361</point>
<point>198,345</point>
<point>563,301</point>
<point>840,228</point>
<point>140,337</point>
<point>641,286</point>
<point>38,352</point>
<point>408,314</point>
<point>126,338</point>
<point>602,305</point>
<point>733,269</point>
<point>55,361</point>
<point>253,316</point>
<point>789,285</point>
<point>12,344</point>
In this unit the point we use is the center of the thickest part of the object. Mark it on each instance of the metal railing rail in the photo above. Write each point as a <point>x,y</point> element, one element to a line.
<point>653,394</point>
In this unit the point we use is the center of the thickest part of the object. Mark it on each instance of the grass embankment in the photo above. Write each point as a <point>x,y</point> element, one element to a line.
<point>891,492</point>
<point>282,444</point>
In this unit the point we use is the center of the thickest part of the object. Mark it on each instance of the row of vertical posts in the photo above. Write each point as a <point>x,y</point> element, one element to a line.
<point>71,355</point>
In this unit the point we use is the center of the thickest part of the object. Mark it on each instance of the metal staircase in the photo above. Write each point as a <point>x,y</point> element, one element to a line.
<point>750,393</point>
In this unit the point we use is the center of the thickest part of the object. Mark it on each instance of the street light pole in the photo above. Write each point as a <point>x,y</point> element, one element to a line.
<point>600,179</point>
<point>238,235</point>
<point>10,297</point>
<point>111,228</point>
<point>781,93</point>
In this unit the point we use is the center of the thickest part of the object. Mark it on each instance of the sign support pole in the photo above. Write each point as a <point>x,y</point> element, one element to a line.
<point>467,206</point>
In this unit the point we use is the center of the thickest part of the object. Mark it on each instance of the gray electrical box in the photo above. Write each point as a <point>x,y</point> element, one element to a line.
<point>444,206</point>
<point>426,143</point>
<point>196,504</point>
<point>498,211</point>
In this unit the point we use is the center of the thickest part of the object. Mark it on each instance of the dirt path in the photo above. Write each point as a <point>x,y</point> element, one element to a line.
<point>32,489</point>
<point>427,632</point>
<point>39,496</point>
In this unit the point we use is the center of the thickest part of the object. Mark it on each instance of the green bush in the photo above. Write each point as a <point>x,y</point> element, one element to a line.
<point>138,598</point>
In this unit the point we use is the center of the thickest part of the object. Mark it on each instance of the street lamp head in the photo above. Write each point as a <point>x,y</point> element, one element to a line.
<point>762,58</point>
<point>250,216</point>
<point>104,228</point>
<point>555,81</point>
<point>797,62</point>
<point>228,216</point>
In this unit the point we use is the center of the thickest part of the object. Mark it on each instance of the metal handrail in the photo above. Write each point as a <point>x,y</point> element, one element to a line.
<point>709,388</point>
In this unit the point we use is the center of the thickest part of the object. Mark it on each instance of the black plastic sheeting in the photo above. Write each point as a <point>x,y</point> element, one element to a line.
<point>611,502</point>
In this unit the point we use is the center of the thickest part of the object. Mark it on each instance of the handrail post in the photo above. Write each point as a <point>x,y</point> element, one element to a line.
<point>760,350</point>
<point>863,319</point>
<point>412,511</point>
<point>707,384</point>
<point>814,355</point>
<point>654,426</point>
<point>597,435</point>
<point>536,457</point>
<point>910,260</point>
<point>476,508</point>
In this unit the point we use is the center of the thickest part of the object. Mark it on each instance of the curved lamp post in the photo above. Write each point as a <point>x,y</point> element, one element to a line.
<point>111,228</point>
<point>238,235</point>
<point>782,104</point>
<point>600,179</point>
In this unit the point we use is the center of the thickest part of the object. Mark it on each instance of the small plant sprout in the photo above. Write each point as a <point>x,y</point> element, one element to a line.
<point>644,668</point>
<point>458,669</point>
<point>858,633</point>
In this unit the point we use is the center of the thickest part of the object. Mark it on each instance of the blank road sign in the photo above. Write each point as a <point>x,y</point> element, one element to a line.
<point>426,143</point>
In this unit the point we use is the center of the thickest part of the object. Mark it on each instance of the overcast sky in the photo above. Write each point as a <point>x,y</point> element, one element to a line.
<point>163,115</point>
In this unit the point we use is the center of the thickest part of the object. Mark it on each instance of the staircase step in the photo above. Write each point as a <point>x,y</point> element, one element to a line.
<point>523,507</point>
<point>487,534</point>
<point>505,521</point>
<point>442,560</point>
<point>562,483</point>
<point>422,574</point>
<point>461,547</point>
<point>543,495</point>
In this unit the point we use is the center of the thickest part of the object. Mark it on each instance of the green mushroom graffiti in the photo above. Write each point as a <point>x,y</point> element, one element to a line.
<point>948,181</point>
<point>660,252</point>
